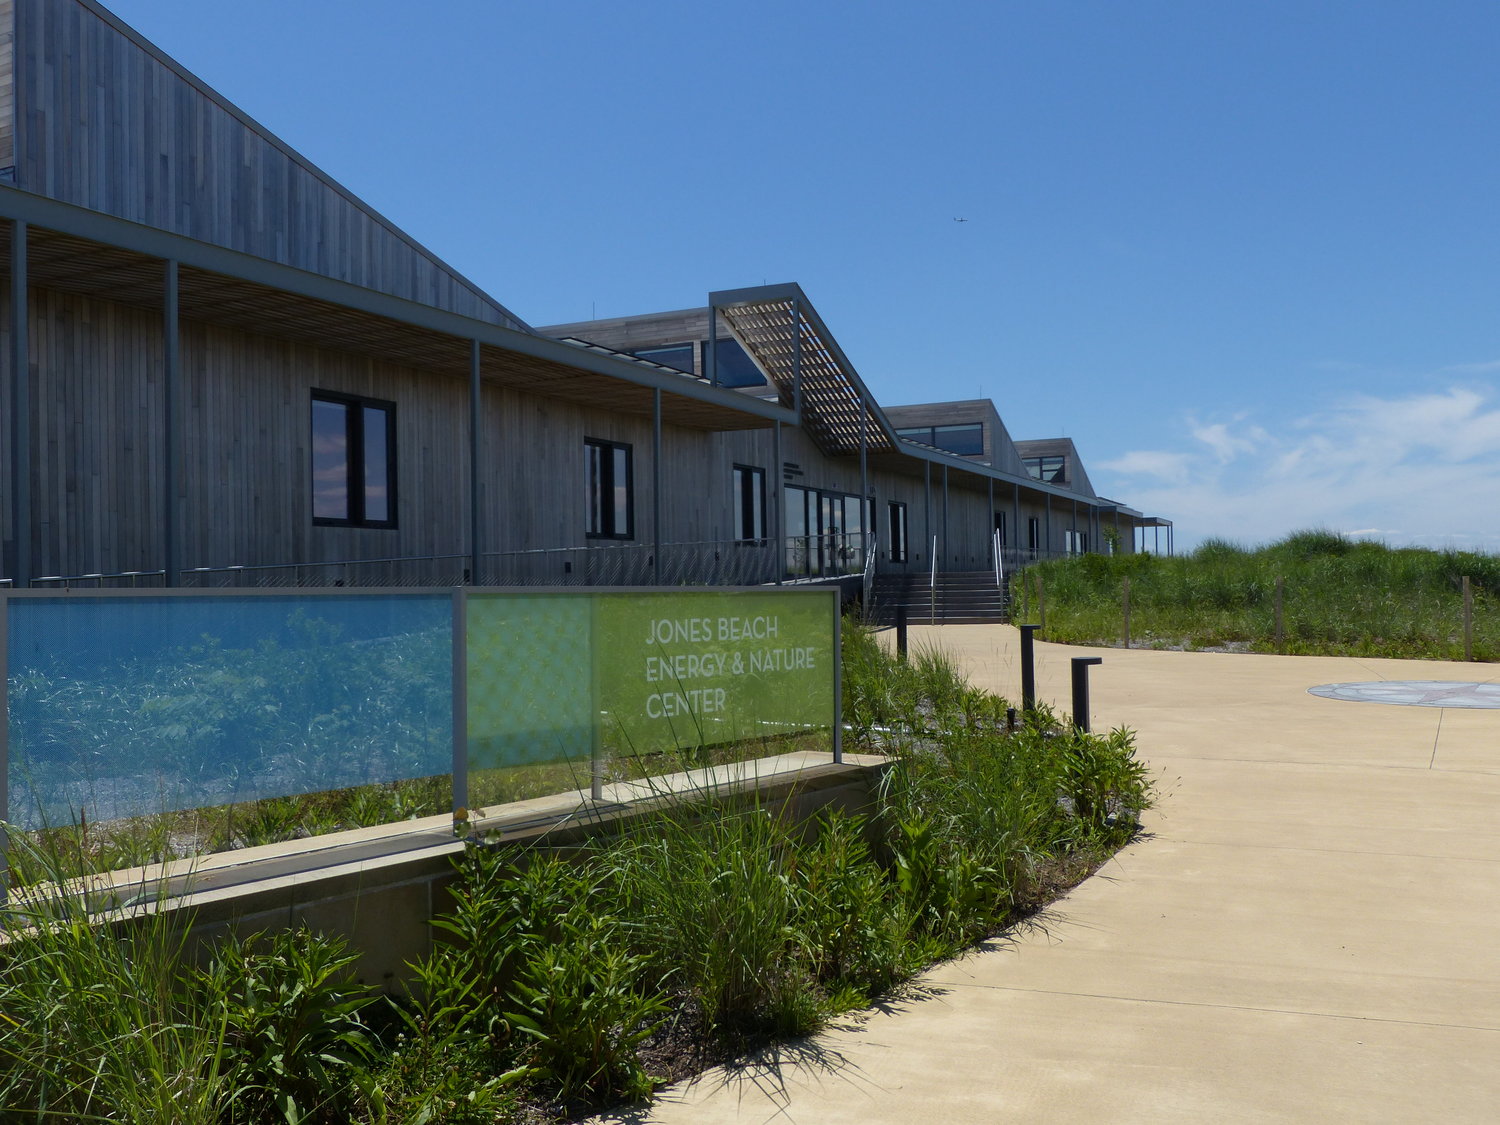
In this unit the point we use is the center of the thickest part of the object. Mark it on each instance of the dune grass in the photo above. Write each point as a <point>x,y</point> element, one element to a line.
<point>1340,597</point>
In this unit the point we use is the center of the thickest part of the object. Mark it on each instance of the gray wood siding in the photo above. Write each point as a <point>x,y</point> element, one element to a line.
<point>7,85</point>
<point>246,473</point>
<point>108,123</point>
<point>96,398</point>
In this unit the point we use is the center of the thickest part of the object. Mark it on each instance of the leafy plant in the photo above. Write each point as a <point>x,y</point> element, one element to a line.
<point>295,1040</point>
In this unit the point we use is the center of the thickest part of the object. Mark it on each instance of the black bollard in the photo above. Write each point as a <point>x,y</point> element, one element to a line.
<point>1028,669</point>
<point>901,633</point>
<point>1010,718</point>
<point>1081,689</point>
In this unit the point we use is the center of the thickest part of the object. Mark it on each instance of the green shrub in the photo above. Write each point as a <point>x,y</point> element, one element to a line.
<point>295,1042</point>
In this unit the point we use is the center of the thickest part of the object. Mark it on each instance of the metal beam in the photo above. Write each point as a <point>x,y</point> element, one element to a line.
<point>20,417</point>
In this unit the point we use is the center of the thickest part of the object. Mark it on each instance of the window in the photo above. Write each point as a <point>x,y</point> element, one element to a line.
<point>735,368</point>
<point>679,356</point>
<point>1034,533</point>
<point>611,512</point>
<point>898,531</point>
<point>1000,526</point>
<point>967,440</point>
<point>1051,469</point>
<point>1075,542</point>
<point>353,461</point>
<point>749,504</point>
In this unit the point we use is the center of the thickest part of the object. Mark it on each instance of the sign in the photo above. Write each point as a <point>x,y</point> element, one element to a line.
<point>564,676</point>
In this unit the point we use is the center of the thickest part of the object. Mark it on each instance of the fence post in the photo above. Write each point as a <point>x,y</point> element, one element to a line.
<point>460,707</point>
<point>838,678</point>
<point>1028,668</point>
<point>1468,620</point>
<point>1126,599</point>
<point>1081,689</point>
<point>1280,623</point>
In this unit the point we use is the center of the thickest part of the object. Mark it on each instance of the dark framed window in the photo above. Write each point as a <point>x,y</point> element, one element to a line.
<point>1000,527</point>
<point>1052,469</point>
<point>749,504</point>
<point>1034,533</point>
<point>965,439</point>
<point>611,500</point>
<point>679,356</point>
<point>897,512</point>
<point>735,368</point>
<point>353,461</point>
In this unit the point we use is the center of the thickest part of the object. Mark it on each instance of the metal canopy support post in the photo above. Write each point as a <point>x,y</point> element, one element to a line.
<point>993,538</point>
<point>475,449</point>
<point>867,513</point>
<point>711,360</point>
<point>171,396</point>
<point>1047,546</point>
<point>1015,500</point>
<point>656,483</point>
<point>779,494</point>
<point>947,552</point>
<point>20,416</point>
<point>927,505</point>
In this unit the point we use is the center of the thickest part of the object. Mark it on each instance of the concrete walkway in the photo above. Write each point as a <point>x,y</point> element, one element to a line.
<point>1311,931</point>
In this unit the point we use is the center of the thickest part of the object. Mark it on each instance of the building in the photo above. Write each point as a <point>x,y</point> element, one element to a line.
<point>221,367</point>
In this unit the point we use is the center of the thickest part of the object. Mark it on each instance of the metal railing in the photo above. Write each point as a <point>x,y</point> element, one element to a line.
<point>825,556</point>
<point>730,562</point>
<point>932,585</point>
<point>871,554</point>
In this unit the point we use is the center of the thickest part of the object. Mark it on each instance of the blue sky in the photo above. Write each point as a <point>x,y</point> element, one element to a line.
<point>1243,252</point>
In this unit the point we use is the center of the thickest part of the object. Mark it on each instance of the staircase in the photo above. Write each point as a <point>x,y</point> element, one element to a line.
<point>962,598</point>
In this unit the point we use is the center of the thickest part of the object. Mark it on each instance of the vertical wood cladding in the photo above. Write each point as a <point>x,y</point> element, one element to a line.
<point>7,85</point>
<point>108,123</point>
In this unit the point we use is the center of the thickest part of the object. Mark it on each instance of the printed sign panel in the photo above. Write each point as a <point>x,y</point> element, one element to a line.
<point>676,671</point>
<point>566,676</point>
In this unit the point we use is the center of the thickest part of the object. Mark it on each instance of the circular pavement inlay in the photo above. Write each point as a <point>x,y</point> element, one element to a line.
<point>1414,693</point>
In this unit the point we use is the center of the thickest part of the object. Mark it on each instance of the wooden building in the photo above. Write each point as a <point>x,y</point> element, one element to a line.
<point>220,367</point>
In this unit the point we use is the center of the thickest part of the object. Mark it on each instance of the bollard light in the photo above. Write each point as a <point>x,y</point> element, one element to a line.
<point>1081,689</point>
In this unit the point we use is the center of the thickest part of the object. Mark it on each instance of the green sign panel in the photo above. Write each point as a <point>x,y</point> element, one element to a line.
<point>565,676</point>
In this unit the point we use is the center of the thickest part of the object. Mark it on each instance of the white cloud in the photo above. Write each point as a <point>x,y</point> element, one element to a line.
<point>1165,466</point>
<point>1227,445</point>
<point>1421,468</point>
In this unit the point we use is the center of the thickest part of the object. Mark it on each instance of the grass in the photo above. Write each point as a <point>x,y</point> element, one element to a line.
<point>566,982</point>
<point>1340,597</point>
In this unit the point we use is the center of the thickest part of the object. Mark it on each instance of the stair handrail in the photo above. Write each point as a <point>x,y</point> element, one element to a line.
<point>932,586</point>
<point>870,552</point>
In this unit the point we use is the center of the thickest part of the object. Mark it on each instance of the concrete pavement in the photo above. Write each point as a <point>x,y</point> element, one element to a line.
<point>1309,933</point>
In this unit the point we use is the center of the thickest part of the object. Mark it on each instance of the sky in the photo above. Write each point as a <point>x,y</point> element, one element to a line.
<point>1245,253</point>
